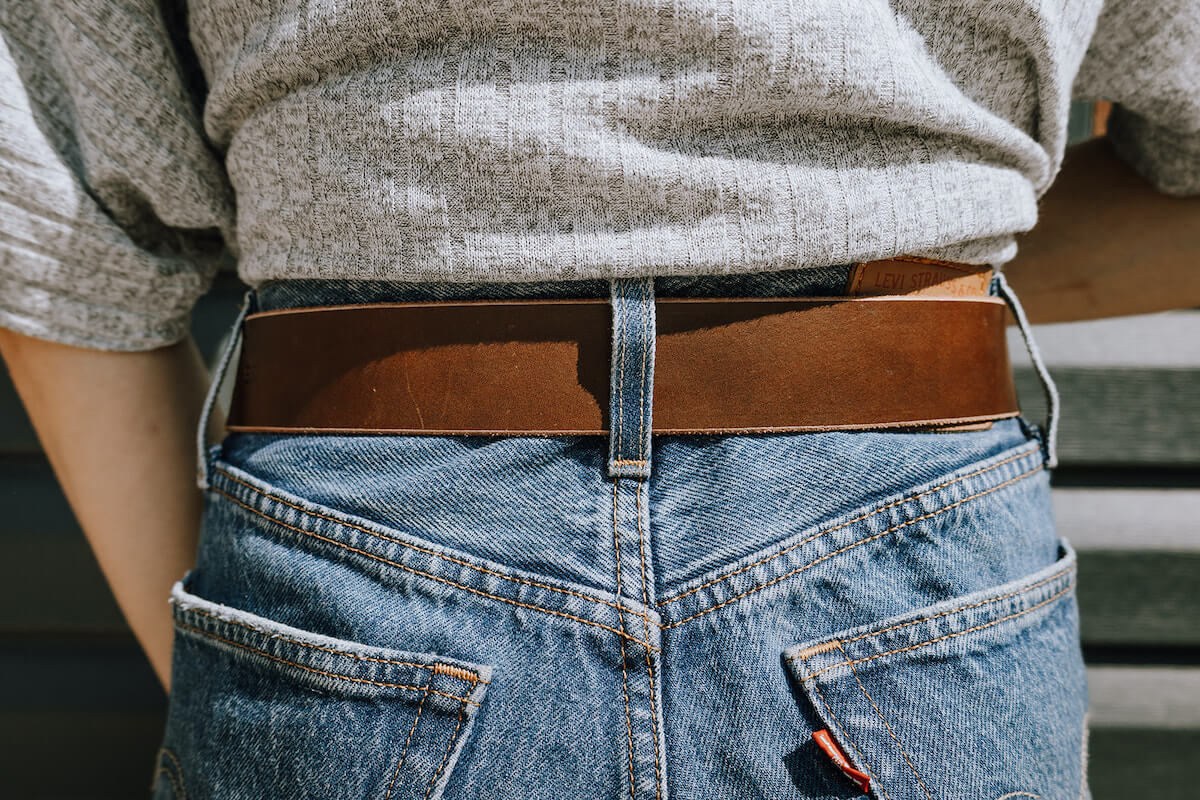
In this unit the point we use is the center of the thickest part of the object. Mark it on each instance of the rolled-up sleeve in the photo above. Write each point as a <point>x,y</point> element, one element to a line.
<point>115,212</point>
<point>1144,57</point>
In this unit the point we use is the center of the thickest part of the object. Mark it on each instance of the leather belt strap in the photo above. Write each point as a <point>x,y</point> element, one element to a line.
<point>534,367</point>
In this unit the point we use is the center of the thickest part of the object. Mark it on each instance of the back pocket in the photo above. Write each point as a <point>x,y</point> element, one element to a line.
<point>977,698</point>
<point>259,709</point>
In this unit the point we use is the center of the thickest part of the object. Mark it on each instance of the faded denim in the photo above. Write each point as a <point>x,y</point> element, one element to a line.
<point>656,617</point>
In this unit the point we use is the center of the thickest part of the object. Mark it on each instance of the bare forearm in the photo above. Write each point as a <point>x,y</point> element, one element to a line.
<point>118,429</point>
<point>1107,244</point>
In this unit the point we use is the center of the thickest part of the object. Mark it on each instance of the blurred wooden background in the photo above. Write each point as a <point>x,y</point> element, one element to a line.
<point>81,714</point>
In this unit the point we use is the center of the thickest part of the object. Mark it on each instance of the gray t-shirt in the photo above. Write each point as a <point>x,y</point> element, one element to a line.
<point>142,143</point>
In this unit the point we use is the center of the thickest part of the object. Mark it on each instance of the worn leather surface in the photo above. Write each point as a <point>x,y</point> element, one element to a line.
<point>541,367</point>
<point>915,275</point>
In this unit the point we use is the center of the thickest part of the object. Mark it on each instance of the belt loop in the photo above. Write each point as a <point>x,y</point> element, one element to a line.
<point>1035,355</point>
<point>631,378</point>
<point>214,388</point>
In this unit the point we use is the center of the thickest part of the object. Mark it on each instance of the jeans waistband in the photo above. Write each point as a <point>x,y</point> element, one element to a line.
<point>820,282</point>
<point>633,333</point>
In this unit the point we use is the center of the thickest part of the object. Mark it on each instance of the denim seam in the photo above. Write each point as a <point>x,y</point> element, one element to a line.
<point>850,739</point>
<point>1024,454</point>
<point>171,771</point>
<point>415,571</point>
<point>871,538</point>
<point>886,725</point>
<point>646,633</point>
<point>449,746</point>
<point>433,667</point>
<point>408,740</point>
<point>624,670</point>
<point>415,547</point>
<point>989,601</point>
<point>1057,595</point>
<point>264,654</point>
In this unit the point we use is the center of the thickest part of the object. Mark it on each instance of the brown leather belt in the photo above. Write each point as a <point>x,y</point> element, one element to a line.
<point>533,367</point>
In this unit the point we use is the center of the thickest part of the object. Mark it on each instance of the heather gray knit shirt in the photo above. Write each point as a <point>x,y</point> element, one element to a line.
<point>141,142</point>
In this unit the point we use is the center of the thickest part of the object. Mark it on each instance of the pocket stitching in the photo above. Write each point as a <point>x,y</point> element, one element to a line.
<point>409,545</point>
<point>449,747</point>
<point>849,522</point>
<point>437,578</point>
<point>1010,482</point>
<point>972,629</point>
<point>179,789</point>
<point>408,741</point>
<point>434,667</point>
<point>882,719</point>
<point>850,739</point>
<point>258,652</point>
<point>1013,593</point>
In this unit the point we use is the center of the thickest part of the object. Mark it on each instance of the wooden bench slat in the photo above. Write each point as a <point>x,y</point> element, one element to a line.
<point>1140,520</point>
<point>1161,698</point>
<point>1169,339</point>
<point>1121,417</point>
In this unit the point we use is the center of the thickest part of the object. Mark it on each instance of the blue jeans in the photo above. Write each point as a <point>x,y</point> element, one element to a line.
<point>626,616</point>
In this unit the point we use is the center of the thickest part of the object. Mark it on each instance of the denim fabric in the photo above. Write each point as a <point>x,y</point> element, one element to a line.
<point>668,617</point>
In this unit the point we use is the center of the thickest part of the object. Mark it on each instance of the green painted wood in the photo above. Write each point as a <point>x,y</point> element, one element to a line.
<point>31,498</point>
<point>1139,563</point>
<point>1161,339</point>
<point>1121,417</point>
<point>77,673</point>
<point>1138,520</point>
<point>53,585</point>
<point>1143,763</point>
<point>78,755</point>
<point>1134,598</point>
<point>1149,697</point>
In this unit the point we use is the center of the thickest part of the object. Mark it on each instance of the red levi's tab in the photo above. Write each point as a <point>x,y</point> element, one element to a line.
<point>826,743</point>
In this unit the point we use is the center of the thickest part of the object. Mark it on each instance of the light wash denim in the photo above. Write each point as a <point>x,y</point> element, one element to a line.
<point>625,617</point>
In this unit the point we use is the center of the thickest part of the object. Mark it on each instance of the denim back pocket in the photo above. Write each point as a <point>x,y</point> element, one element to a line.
<point>261,709</point>
<point>981,697</point>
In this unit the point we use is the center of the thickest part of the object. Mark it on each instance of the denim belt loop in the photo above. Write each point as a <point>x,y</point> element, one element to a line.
<point>631,379</point>
<point>214,389</point>
<point>1035,355</point>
